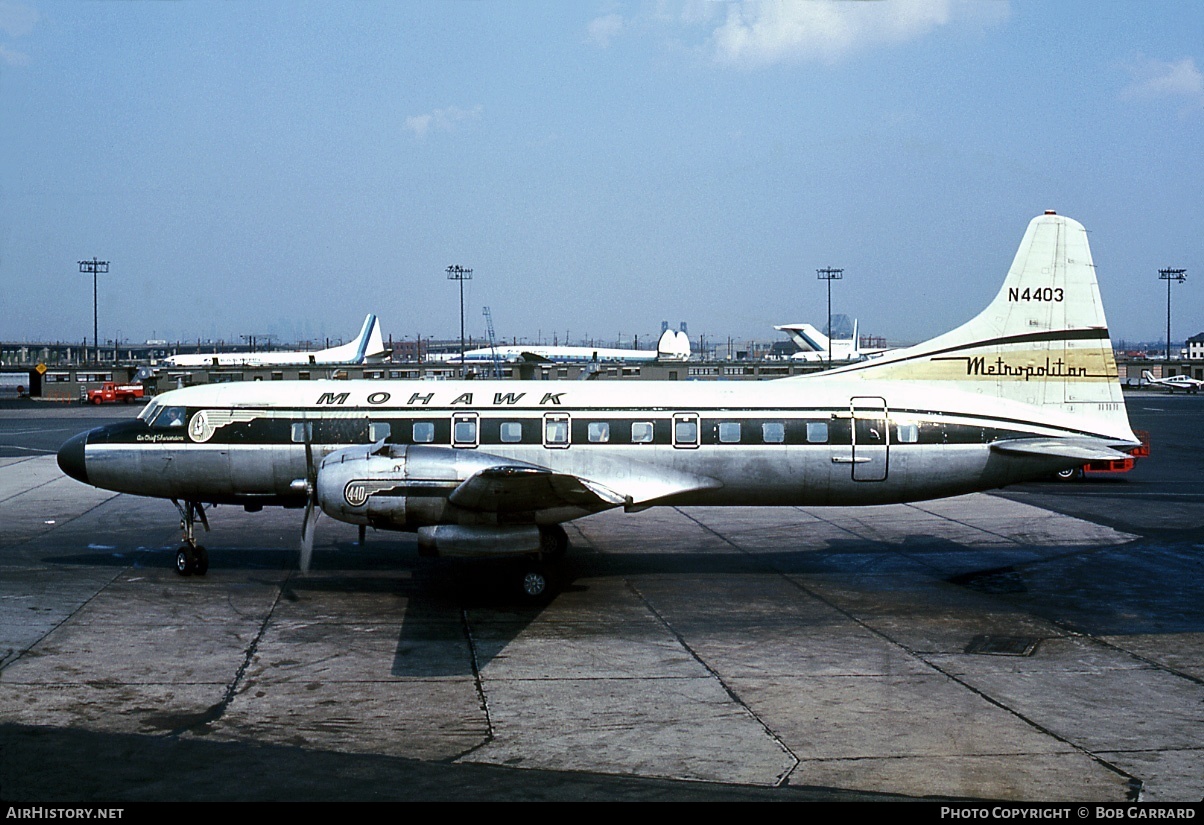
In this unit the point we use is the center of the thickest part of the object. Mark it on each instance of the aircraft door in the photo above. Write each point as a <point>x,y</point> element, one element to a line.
<point>871,438</point>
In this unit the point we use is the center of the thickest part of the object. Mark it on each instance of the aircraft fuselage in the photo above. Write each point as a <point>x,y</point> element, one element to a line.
<point>774,444</point>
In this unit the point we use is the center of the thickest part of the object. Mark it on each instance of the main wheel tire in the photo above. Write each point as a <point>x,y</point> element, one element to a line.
<point>201,566</point>
<point>553,541</point>
<point>185,561</point>
<point>533,583</point>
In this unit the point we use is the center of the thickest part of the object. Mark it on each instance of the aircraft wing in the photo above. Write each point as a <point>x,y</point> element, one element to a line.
<point>518,488</point>
<point>525,488</point>
<point>1087,449</point>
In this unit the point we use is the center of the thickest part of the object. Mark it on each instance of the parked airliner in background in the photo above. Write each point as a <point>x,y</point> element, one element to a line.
<point>494,468</point>
<point>367,348</point>
<point>672,346</point>
<point>815,347</point>
<point>1174,382</point>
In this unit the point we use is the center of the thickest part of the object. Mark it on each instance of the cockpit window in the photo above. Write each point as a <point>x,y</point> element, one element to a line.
<point>168,418</point>
<point>148,412</point>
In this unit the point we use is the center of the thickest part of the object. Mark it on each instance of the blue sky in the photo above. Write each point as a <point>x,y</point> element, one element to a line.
<point>286,168</point>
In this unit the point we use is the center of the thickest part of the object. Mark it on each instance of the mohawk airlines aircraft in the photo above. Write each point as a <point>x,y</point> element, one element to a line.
<point>367,348</point>
<point>1175,382</point>
<point>493,468</point>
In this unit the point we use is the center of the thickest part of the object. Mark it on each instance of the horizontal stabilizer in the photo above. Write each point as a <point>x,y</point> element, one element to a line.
<point>1085,449</point>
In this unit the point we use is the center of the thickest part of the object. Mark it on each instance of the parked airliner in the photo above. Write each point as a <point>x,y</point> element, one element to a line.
<point>817,348</point>
<point>494,468</point>
<point>367,348</point>
<point>672,346</point>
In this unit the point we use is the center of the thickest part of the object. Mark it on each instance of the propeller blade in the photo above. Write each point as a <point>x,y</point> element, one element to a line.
<point>307,534</point>
<point>311,512</point>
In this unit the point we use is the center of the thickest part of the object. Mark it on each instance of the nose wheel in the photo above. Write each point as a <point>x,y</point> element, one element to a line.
<point>192,559</point>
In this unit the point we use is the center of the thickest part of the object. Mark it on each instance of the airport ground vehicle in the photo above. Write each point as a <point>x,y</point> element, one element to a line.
<point>111,391</point>
<point>1109,467</point>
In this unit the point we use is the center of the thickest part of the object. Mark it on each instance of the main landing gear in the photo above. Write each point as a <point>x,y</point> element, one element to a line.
<point>533,577</point>
<point>191,558</point>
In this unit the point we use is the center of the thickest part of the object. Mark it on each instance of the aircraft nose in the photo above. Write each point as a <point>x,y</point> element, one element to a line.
<point>71,457</point>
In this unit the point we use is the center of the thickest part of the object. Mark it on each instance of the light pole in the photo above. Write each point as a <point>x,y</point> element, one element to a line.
<point>1169,275</point>
<point>461,274</point>
<point>95,267</point>
<point>828,274</point>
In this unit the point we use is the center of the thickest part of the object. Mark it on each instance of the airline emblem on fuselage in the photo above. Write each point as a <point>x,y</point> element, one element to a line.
<point>199,428</point>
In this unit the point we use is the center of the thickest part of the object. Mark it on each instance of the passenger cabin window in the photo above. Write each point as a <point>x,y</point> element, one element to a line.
<point>424,432</point>
<point>907,433</point>
<point>773,432</point>
<point>378,431</point>
<point>869,431</point>
<point>556,431</point>
<point>817,432</point>
<point>511,432</point>
<point>641,432</point>
<point>729,432</point>
<point>301,429</point>
<point>685,431</point>
<point>464,431</point>
<point>599,432</point>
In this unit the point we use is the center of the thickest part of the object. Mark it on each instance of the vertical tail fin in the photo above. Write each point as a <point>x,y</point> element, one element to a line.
<point>367,346</point>
<point>1043,340</point>
<point>673,346</point>
<point>372,344</point>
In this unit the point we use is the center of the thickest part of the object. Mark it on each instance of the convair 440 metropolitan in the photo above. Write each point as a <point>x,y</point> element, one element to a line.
<point>494,468</point>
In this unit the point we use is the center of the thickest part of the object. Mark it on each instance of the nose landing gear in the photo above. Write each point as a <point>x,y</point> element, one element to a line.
<point>191,558</point>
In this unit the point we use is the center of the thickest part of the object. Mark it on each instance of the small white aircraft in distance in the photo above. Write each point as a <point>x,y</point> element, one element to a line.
<point>1174,382</point>
<point>672,346</point>
<point>367,348</point>
<point>815,347</point>
<point>491,469</point>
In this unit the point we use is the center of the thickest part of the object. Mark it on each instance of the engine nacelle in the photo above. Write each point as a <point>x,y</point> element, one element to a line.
<point>398,487</point>
<point>452,540</point>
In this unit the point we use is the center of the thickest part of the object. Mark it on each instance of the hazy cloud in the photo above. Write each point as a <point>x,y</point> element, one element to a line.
<point>1154,79</point>
<point>762,32</point>
<point>441,120</point>
<point>15,21</point>
<point>605,28</point>
<point>12,58</point>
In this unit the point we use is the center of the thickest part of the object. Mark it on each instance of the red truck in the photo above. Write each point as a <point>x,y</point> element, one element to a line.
<point>112,391</point>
